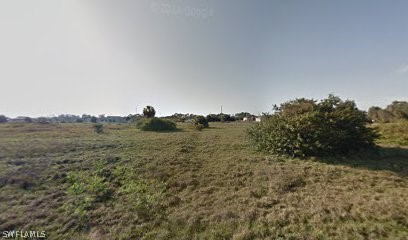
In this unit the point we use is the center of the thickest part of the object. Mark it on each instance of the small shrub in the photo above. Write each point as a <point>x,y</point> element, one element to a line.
<point>156,124</point>
<point>303,127</point>
<point>98,128</point>
<point>200,120</point>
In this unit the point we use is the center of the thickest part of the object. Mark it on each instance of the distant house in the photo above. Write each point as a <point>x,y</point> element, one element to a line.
<point>252,119</point>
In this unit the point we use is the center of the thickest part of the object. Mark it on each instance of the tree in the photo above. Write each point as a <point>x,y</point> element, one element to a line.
<point>149,112</point>
<point>102,118</point>
<point>226,118</point>
<point>94,119</point>
<point>43,120</point>
<point>213,118</point>
<point>377,114</point>
<point>304,127</point>
<point>28,120</point>
<point>399,109</point>
<point>242,115</point>
<point>3,119</point>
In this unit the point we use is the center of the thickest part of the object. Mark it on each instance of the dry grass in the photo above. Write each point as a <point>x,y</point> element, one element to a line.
<point>127,184</point>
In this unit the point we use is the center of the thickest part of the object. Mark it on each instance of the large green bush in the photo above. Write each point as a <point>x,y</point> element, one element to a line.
<point>156,124</point>
<point>304,127</point>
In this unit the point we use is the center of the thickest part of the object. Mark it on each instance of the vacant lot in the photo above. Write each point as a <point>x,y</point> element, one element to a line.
<point>73,183</point>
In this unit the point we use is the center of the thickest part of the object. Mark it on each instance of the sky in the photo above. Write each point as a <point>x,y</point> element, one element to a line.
<point>114,57</point>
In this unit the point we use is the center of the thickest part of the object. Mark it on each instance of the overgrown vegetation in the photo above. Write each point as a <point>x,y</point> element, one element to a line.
<point>395,133</point>
<point>86,191</point>
<point>131,184</point>
<point>155,124</point>
<point>397,110</point>
<point>304,127</point>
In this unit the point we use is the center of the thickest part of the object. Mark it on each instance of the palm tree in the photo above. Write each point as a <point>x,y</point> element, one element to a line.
<point>149,111</point>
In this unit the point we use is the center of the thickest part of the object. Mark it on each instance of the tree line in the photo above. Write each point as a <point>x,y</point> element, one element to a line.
<point>397,110</point>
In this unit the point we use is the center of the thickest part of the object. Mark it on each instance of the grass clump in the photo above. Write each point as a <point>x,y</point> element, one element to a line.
<point>156,124</point>
<point>303,127</point>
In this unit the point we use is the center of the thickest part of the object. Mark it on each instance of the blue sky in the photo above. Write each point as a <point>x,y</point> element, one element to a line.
<point>102,56</point>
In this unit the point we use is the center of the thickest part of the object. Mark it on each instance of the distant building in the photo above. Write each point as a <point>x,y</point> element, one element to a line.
<point>252,119</point>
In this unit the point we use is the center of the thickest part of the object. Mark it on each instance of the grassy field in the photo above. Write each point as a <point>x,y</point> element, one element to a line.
<point>73,183</point>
